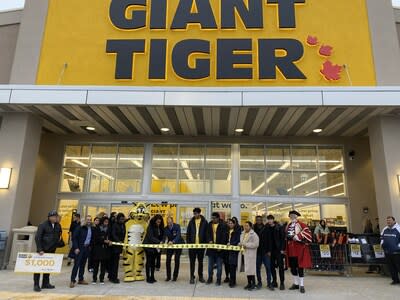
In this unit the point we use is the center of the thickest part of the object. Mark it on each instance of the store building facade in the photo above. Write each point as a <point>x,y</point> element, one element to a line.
<point>224,121</point>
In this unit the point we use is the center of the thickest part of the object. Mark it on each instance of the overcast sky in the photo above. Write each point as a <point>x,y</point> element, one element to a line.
<point>11,4</point>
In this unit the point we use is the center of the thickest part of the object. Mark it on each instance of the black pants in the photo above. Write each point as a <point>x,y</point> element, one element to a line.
<point>36,279</point>
<point>393,261</point>
<point>103,263</point>
<point>158,260</point>
<point>232,274</point>
<point>294,267</point>
<point>79,264</point>
<point>226,263</point>
<point>113,266</point>
<point>90,260</point>
<point>277,262</point>
<point>151,256</point>
<point>199,254</point>
<point>177,260</point>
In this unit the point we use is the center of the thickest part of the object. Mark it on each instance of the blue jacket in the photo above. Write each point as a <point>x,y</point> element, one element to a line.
<point>174,234</point>
<point>391,239</point>
<point>79,237</point>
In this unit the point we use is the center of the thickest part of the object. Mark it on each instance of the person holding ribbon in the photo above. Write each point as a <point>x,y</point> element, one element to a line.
<point>234,232</point>
<point>298,238</point>
<point>217,234</point>
<point>196,234</point>
<point>173,237</point>
<point>249,241</point>
<point>154,235</point>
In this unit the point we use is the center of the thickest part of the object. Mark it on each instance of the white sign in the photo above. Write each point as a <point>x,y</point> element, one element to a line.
<point>355,250</point>
<point>325,251</point>
<point>35,263</point>
<point>379,251</point>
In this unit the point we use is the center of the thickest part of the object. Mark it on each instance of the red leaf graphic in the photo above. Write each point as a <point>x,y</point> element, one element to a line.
<point>330,71</point>
<point>325,50</point>
<point>312,40</point>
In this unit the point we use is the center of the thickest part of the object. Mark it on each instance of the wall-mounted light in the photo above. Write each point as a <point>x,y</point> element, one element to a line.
<point>5,176</point>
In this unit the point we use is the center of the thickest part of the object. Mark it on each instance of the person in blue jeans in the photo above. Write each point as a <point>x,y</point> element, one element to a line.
<point>263,253</point>
<point>217,234</point>
<point>82,240</point>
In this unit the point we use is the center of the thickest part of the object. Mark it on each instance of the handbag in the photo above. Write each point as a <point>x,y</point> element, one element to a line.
<point>61,243</point>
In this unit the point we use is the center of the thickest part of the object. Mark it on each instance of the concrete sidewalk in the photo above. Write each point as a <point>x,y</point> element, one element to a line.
<point>319,286</point>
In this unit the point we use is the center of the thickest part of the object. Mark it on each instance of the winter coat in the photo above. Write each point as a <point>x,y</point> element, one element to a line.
<point>221,238</point>
<point>118,236</point>
<point>47,237</point>
<point>278,242</point>
<point>234,241</point>
<point>249,253</point>
<point>298,244</point>
<point>154,235</point>
<point>320,230</point>
<point>79,237</point>
<point>173,234</point>
<point>101,250</point>
<point>191,231</point>
<point>391,239</point>
<point>259,230</point>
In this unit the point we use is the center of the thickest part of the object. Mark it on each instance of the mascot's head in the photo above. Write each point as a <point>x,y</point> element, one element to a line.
<point>139,211</point>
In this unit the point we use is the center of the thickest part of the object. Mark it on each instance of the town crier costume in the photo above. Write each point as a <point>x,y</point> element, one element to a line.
<point>298,238</point>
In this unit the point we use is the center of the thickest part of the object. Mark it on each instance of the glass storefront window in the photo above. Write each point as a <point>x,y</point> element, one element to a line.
<point>223,208</point>
<point>218,181</point>
<point>192,181</point>
<point>65,209</point>
<point>330,159</point>
<point>104,156</point>
<point>304,158</point>
<point>101,180</point>
<point>305,184</point>
<point>335,215</point>
<point>191,157</point>
<point>332,185</point>
<point>164,181</point>
<point>280,211</point>
<point>252,157</point>
<point>128,181</point>
<point>218,157</point>
<point>310,213</point>
<point>252,182</point>
<point>73,180</point>
<point>76,156</point>
<point>130,157</point>
<point>278,157</point>
<point>165,156</point>
<point>250,210</point>
<point>278,183</point>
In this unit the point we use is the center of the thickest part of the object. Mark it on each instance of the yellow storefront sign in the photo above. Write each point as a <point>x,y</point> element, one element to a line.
<point>207,43</point>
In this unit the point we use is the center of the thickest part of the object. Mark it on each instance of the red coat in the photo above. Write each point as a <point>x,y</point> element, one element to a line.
<point>299,245</point>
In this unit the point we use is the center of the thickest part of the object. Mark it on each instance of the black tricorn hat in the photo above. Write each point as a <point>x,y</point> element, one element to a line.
<point>293,212</point>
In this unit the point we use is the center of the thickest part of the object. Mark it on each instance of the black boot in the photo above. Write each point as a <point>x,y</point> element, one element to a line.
<point>248,282</point>
<point>252,283</point>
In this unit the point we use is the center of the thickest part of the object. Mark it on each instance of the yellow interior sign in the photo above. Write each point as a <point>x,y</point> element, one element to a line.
<point>207,43</point>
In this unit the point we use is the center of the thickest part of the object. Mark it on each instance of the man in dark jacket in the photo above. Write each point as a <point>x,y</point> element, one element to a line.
<point>76,222</point>
<point>277,234</point>
<point>117,235</point>
<point>196,234</point>
<point>262,253</point>
<point>82,240</point>
<point>173,236</point>
<point>47,240</point>
<point>391,245</point>
<point>217,234</point>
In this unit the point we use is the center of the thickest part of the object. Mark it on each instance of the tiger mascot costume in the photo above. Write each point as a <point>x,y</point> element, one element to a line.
<point>136,227</point>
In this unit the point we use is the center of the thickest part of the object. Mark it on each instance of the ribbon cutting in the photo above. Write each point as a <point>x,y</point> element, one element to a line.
<point>182,246</point>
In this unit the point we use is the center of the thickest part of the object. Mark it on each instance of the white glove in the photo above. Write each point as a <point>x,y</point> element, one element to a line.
<point>296,238</point>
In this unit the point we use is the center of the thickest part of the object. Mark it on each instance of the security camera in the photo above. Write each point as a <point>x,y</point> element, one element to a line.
<point>352,155</point>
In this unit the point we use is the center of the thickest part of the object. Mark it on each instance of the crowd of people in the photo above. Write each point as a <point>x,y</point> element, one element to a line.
<point>265,246</point>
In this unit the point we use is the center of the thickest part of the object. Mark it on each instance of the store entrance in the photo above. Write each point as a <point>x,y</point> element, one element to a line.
<point>180,211</point>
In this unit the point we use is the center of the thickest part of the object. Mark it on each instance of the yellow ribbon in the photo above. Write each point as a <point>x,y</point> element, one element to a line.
<point>181,246</point>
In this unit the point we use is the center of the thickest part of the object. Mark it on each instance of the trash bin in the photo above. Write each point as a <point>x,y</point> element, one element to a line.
<point>23,241</point>
<point>3,243</point>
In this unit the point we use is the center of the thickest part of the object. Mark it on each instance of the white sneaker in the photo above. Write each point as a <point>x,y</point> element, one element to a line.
<point>102,282</point>
<point>94,282</point>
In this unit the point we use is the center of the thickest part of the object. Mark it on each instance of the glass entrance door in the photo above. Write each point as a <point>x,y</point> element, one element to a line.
<point>93,209</point>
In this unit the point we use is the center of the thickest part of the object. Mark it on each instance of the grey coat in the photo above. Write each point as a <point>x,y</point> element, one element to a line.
<point>249,253</point>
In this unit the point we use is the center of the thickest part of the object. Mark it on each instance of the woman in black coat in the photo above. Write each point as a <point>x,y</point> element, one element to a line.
<point>234,232</point>
<point>101,249</point>
<point>154,235</point>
